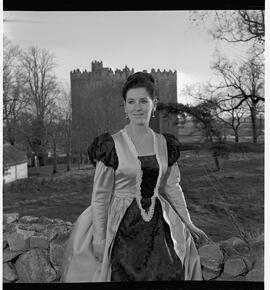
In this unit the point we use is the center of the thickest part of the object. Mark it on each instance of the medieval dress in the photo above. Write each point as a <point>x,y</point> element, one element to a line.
<point>138,211</point>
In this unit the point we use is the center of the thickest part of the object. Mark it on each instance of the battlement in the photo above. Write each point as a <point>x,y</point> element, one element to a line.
<point>97,70</point>
<point>97,66</point>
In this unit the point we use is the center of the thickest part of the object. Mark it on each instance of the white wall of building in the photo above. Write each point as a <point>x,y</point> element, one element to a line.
<point>16,172</point>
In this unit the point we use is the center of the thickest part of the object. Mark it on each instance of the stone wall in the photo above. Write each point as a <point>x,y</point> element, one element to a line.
<point>33,249</point>
<point>233,260</point>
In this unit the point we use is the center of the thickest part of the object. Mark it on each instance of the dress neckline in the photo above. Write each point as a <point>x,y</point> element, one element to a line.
<point>147,216</point>
<point>132,144</point>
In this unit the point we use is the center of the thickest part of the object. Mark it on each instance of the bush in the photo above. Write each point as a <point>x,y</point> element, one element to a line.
<point>191,146</point>
<point>224,147</point>
<point>245,147</point>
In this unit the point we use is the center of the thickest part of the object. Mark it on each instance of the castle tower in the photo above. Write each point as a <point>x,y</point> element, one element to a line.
<point>97,66</point>
<point>97,104</point>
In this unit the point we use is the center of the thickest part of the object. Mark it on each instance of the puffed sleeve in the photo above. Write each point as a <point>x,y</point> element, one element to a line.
<point>172,188</point>
<point>103,149</point>
<point>173,148</point>
<point>102,153</point>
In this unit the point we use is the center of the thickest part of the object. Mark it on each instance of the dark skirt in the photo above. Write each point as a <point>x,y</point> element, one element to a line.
<point>143,251</point>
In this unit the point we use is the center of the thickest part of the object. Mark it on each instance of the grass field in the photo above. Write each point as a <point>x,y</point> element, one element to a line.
<point>213,198</point>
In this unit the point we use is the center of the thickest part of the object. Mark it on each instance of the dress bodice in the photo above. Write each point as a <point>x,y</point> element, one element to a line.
<point>150,168</point>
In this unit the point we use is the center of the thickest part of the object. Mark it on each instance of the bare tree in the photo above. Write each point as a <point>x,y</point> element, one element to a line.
<point>41,88</point>
<point>232,117</point>
<point>14,98</point>
<point>244,83</point>
<point>65,111</point>
<point>234,25</point>
<point>53,132</point>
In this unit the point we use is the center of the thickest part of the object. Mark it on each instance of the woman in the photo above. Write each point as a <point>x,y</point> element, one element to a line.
<point>138,227</point>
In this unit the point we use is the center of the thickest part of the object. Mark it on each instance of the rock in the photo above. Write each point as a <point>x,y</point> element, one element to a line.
<point>28,219</point>
<point>34,267</point>
<point>44,221</point>
<point>39,228</point>
<point>209,274</point>
<point>32,227</point>
<point>6,281</point>
<point>10,228</point>
<point>5,244</point>
<point>52,231</point>
<point>235,266</point>
<point>257,241</point>
<point>10,255</point>
<point>57,248</point>
<point>58,221</point>
<point>19,240</point>
<point>10,218</point>
<point>58,271</point>
<point>226,277</point>
<point>211,257</point>
<point>249,260</point>
<point>255,275</point>
<point>39,241</point>
<point>235,243</point>
<point>9,273</point>
<point>26,227</point>
<point>229,251</point>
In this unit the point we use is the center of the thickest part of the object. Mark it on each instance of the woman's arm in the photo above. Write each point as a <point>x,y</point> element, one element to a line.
<point>176,197</point>
<point>175,193</point>
<point>102,191</point>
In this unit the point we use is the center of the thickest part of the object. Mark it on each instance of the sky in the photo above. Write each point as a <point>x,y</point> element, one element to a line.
<point>139,39</point>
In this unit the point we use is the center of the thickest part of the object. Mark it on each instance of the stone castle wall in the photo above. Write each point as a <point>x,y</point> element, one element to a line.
<point>33,249</point>
<point>97,104</point>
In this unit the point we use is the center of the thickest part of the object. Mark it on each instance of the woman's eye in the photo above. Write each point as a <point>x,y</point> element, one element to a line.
<point>144,101</point>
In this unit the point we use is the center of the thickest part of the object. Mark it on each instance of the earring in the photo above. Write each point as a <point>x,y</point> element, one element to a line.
<point>153,114</point>
<point>126,116</point>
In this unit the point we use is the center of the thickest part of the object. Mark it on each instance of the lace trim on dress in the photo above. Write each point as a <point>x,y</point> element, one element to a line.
<point>146,215</point>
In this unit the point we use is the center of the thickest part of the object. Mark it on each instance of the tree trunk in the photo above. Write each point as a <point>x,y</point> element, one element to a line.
<point>236,136</point>
<point>10,136</point>
<point>54,158</point>
<point>79,159</point>
<point>216,162</point>
<point>68,161</point>
<point>253,115</point>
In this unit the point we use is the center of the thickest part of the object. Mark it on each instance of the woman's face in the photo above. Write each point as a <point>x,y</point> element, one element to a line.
<point>138,106</point>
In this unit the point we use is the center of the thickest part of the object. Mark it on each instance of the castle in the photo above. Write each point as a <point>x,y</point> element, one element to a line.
<point>97,103</point>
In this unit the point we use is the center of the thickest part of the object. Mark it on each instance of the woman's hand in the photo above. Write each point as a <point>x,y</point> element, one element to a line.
<point>98,250</point>
<point>198,234</point>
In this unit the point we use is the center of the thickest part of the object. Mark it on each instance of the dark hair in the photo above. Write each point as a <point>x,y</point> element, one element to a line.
<point>139,80</point>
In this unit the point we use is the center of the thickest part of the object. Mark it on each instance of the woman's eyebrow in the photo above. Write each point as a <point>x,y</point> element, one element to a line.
<point>140,98</point>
